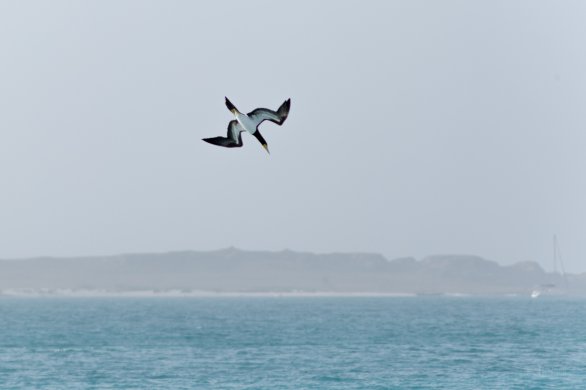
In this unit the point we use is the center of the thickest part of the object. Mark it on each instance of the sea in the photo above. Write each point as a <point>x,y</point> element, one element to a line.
<point>432,342</point>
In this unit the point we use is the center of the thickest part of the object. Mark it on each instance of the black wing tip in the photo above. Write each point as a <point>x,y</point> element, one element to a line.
<point>283,111</point>
<point>224,141</point>
<point>230,106</point>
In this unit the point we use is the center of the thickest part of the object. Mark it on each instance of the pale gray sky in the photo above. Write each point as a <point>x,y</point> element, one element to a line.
<point>417,127</point>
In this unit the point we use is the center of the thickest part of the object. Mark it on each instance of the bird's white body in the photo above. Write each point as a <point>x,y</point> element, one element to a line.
<point>246,122</point>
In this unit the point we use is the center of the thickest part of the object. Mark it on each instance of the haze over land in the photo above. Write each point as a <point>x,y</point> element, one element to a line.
<point>236,271</point>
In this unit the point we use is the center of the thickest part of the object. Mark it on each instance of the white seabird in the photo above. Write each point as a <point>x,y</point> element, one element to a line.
<point>249,122</point>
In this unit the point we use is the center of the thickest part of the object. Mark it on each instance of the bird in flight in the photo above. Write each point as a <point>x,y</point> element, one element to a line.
<point>249,122</point>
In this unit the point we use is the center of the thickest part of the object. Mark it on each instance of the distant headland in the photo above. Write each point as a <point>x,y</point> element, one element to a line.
<point>237,272</point>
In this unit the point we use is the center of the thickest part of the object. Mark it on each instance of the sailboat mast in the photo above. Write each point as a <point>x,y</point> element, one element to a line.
<point>557,257</point>
<point>555,254</point>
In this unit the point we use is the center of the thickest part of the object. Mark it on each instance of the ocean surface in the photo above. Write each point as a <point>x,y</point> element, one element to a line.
<point>293,343</point>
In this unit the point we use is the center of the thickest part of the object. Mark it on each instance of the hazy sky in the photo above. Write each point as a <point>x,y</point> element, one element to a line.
<point>416,127</point>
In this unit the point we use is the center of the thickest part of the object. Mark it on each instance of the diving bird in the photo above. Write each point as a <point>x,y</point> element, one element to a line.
<point>249,122</point>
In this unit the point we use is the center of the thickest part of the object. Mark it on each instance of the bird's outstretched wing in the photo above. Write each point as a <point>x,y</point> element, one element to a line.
<point>263,114</point>
<point>232,140</point>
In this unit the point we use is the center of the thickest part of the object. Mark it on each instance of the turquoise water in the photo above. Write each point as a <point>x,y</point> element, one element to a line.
<point>292,343</point>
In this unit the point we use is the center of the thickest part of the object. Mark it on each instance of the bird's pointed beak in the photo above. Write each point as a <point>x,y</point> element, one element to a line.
<point>266,148</point>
